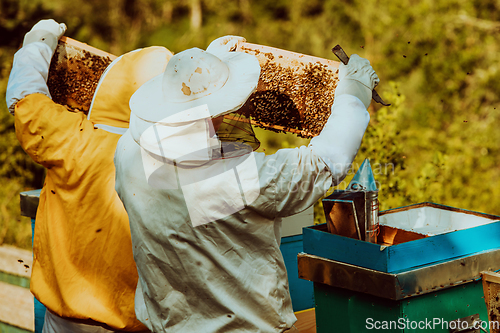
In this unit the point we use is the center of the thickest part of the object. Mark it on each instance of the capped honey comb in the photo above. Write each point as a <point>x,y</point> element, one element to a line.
<point>295,91</point>
<point>74,73</point>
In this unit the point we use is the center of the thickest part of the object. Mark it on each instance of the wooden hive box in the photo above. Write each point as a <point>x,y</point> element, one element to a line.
<point>295,91</point>
<point>416,280</point>
<point>426,232</point>
<point>491,289</point>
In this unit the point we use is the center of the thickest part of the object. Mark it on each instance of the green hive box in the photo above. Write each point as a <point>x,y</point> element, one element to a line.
<point>422,276</point>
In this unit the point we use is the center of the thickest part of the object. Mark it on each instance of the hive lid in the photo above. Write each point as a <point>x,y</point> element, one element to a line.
<point>29,203</point>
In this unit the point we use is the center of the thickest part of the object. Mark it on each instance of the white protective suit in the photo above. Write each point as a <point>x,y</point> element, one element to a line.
<point>206,235</point>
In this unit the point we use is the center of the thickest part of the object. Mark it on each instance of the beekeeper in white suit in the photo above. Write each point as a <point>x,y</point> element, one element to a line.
<point>205,215</point>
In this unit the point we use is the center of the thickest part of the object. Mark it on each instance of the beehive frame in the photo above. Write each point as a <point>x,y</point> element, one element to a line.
<point>74,73</point>
<point>294,94</point>
<point>295,91</point>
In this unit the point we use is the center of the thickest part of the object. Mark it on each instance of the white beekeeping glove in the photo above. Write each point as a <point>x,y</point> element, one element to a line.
<point>357,78</point>
<point>31,63</point>
<point>224,44</point>
<point>45,31</point>
<point>339,141</point>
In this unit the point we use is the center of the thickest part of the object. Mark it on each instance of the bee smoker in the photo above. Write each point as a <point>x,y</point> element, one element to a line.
<point>354,212</point>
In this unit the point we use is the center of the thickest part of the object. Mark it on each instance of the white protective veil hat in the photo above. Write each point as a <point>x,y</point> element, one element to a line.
<point>196,77</point>
<point>171,112</point>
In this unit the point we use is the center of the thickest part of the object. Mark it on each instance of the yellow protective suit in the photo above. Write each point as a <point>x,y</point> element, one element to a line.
<point>83,265</point>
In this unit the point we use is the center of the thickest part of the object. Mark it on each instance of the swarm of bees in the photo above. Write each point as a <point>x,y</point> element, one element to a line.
<point>291,96</point>
<point>73,78</point>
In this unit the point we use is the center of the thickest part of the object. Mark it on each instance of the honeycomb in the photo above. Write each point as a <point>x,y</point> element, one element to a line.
<point>295,92</point>
<point>74,73</point>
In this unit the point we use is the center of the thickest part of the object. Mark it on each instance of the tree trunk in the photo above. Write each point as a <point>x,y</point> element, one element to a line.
<point>246,11</point>
<point>196,14</point>
<point>167,10</point>
<point>115,20</point>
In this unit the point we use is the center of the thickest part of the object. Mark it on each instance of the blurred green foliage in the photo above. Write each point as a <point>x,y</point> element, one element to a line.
<point>437,60</point>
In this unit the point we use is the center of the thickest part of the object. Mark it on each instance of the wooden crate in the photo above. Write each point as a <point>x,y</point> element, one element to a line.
<point>16,300</point>
<point>491,289</point>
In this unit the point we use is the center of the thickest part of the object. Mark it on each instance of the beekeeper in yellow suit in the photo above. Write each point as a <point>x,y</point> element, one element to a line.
<point>83,269</point>
<point>205,215</point>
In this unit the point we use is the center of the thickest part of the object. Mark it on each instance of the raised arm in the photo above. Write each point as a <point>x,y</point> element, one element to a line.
<point>31,63</point>
<point>339,141</point>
